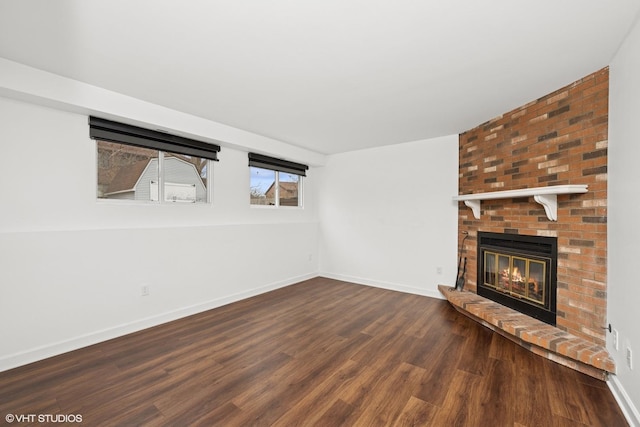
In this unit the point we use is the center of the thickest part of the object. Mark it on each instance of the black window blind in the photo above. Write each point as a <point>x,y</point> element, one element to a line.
<point>108,130</point>
<point>272,163</point>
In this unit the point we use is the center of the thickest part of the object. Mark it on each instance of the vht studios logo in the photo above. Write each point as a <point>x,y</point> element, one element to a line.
<point>43,418</point>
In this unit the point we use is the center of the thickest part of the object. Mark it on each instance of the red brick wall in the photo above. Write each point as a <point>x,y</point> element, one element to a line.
<point>558,139</point>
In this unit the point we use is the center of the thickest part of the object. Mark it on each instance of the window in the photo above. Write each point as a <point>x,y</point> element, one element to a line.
<point>139,164</point>
<point>275,182</point>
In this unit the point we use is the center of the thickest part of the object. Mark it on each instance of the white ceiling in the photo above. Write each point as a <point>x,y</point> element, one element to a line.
<point>327,75</point>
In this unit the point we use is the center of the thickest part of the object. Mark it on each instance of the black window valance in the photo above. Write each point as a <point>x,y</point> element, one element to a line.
<point>108,130</point>
<point>272,163</point>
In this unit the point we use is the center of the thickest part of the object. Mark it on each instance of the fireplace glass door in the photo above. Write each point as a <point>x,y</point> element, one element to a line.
<point>521,277</point>
<point>520,272</point>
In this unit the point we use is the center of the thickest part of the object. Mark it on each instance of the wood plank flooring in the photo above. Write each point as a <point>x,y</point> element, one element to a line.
<point>318,353</point>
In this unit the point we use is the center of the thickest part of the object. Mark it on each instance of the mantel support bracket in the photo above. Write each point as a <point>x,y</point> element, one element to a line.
<point>550,204</point>
<point>475,207</point>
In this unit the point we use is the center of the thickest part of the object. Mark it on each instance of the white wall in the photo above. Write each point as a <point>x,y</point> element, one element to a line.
<point>71,267</point>
<point>623,293</point>
<point>387,216</point>
<point>18,81</point>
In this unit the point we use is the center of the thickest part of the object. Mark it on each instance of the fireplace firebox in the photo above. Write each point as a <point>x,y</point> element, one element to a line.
<point>519,272</point>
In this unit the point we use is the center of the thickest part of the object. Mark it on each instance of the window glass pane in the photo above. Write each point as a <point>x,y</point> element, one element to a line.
<point>126,172</point>
<point>262,186</point>
<point>185,178</point>
<point>289,186</point>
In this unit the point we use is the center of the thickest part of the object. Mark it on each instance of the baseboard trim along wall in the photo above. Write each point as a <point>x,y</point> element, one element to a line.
<point>19,359</point>
<point>624,402</point>
<point>433,293</point>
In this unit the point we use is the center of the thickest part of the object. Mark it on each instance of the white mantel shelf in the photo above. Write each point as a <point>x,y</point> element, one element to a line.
<point>546,196</point>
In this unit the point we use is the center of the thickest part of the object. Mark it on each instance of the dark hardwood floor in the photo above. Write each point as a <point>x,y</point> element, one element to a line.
<point>321,352</point>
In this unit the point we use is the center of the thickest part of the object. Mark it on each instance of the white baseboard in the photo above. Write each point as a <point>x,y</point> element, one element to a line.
<point>23,358</point>
<point>384,285</point>
<point>624,402</point>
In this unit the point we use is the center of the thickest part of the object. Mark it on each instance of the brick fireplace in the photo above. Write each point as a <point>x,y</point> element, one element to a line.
<point>559,139</point>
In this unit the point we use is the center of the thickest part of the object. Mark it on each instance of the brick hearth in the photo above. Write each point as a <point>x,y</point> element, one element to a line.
<point>538,337</point>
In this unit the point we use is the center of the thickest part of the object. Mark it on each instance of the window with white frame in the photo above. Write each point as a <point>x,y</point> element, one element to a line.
<point>275,182</point>
<point>145,165</point>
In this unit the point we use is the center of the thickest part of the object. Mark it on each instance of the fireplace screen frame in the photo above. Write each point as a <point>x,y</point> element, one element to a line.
<point>540,250</point>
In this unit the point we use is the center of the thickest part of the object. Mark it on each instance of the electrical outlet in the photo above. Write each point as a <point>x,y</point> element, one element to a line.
<point>144,290</point>
<point>629,358</point>
<point>439,270</point>
<point>616,344</point>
